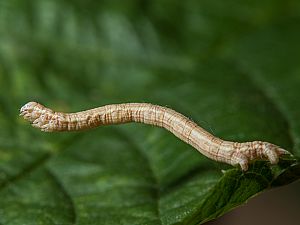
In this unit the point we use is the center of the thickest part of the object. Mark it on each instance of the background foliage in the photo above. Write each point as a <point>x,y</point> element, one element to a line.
<point>231,66</point>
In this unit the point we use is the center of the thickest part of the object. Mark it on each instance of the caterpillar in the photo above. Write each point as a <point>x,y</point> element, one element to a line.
<point>233,153</point>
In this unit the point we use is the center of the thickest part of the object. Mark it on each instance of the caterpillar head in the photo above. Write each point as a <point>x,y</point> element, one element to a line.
<point>31,111</point>
<point>36,114</point>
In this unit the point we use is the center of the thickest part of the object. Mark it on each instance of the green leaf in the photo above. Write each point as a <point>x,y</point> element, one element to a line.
<point>231,67</point>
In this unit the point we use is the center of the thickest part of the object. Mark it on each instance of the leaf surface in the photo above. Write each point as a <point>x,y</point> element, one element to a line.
<point>233,70</point>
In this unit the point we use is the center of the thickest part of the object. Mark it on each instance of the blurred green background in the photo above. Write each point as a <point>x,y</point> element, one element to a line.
<point>232,66</point>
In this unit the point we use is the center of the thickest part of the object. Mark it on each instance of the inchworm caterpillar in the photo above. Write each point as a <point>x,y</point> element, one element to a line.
<point>233,153</point>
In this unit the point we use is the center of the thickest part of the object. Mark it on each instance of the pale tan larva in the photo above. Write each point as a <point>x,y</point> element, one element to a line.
<point>233,153</point>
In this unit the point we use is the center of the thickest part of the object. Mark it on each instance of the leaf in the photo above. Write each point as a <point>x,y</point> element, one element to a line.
<point>233,70</point>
